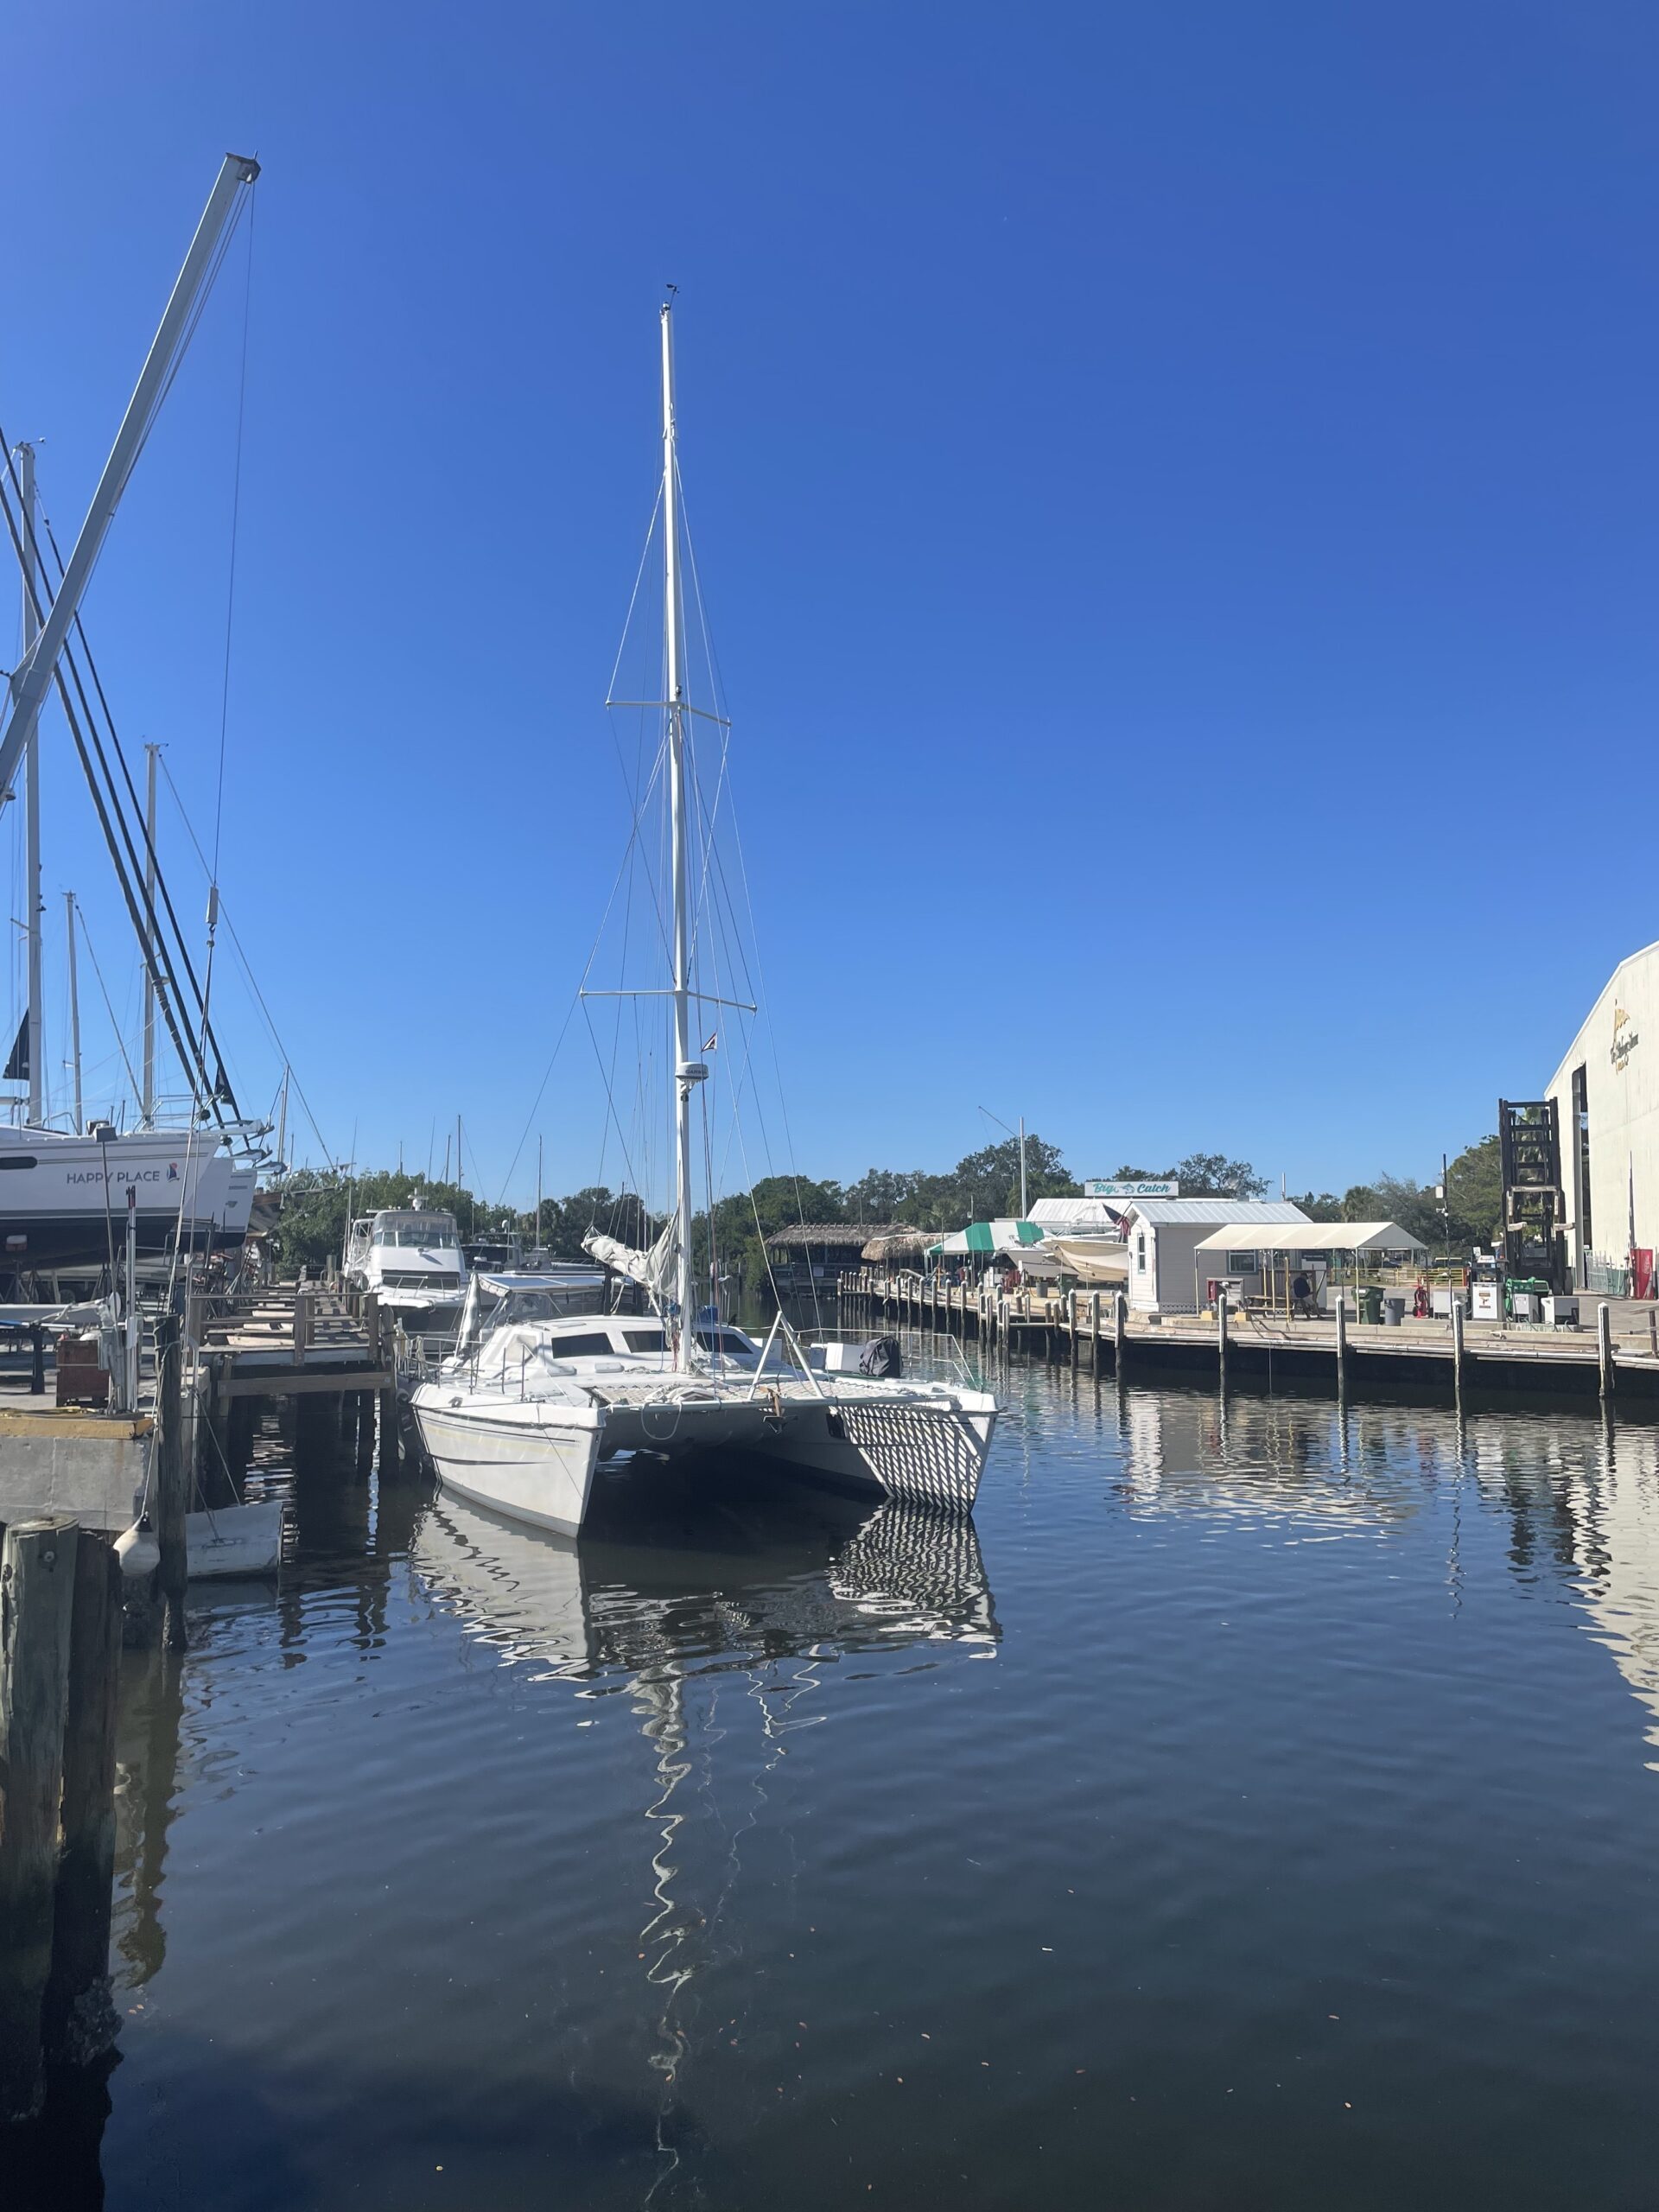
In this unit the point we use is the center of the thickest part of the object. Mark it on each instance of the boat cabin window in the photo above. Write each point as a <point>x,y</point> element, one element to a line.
<point>726,1342</point>
<point>591,1346</point>
<point>644,1340</point>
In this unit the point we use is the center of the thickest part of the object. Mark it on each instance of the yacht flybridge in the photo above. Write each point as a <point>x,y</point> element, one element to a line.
<point>520,1419</point>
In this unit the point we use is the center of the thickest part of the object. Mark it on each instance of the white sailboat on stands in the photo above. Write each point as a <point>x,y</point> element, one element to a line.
<point>520,1418</point>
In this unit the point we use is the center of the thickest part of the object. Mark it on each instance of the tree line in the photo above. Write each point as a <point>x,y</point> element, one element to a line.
<point>316,1204</point>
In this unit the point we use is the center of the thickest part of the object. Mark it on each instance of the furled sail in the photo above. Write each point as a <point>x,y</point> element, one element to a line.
<point>654,1268</point>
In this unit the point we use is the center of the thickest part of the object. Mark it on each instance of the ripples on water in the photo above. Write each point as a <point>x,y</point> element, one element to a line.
<point>1256,1808</point>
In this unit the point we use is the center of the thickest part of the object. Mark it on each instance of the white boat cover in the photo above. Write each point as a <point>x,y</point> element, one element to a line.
<point>654,1268</point>
<point>1091,1259</point>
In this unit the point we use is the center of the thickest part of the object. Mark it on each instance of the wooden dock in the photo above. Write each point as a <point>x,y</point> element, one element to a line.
<point>334,1352</point>
<point>1445,1357</point>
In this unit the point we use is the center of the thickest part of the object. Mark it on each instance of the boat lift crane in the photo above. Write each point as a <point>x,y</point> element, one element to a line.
<point>29,680</point>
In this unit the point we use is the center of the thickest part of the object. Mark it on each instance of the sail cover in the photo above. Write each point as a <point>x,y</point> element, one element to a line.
<point>655,1268</point>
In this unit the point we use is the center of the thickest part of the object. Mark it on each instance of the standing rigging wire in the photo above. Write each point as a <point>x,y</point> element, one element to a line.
<point>106,796</point>
<point>247,969</point>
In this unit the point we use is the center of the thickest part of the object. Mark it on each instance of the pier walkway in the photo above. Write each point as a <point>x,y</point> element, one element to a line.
<point>1616,1359</point>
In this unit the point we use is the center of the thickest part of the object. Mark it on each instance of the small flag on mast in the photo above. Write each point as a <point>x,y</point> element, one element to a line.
<point>711,1040</point>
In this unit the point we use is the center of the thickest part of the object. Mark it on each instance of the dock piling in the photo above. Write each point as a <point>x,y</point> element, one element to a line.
<point>1120,1329</point>
<point>78,2018</point>
<point>1094,1332</point>
<point>1457,1349</point>
<point>1604,1347</point>
<point>172,1483</point>
<point>1342,1345</point>
<point>37,1584</point>
<point>1221,1338</point>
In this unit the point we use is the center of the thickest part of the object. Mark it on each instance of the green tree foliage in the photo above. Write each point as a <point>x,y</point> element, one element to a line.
<point>1203,1175</point>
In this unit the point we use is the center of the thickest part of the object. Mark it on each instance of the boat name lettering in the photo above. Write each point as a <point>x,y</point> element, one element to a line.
<point>120,1175</point>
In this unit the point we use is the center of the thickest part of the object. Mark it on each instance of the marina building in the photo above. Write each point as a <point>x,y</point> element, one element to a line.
<point>1163,1236</point>
<point>1606,1093</point>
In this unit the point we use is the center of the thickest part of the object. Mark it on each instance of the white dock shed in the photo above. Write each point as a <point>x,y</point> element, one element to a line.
<point>1163,1234</point>
<point>1261,1261</point>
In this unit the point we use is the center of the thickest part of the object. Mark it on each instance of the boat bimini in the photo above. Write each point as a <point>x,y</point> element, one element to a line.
<point>519,1419</point>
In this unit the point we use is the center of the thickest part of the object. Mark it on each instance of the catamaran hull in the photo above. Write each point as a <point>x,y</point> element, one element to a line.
<point>923,1454</point>
<point>538,1472</point>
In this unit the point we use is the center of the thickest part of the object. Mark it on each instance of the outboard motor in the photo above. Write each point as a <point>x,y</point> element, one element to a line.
<point>881,1359</point>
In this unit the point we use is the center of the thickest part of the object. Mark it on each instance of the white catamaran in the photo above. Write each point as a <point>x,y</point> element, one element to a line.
<point>520,1419</point>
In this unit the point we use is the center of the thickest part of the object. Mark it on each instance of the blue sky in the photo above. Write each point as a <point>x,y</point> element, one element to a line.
<point>1174,487</point>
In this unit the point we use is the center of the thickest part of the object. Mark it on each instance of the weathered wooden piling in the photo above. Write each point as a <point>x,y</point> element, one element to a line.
<point>1071,1324</point>
<point>1094,1332</point>
<point>79,2016</point>
<point>1221,1338</point>
<point>1120,1329</point>
<point>37,1586</point>
<point>172,1483</point>
<point>1342,1344</point>
<point>1604,1347</point>
<point>1457,1348</point>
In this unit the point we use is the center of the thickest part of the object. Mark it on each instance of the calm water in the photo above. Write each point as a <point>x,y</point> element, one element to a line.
<point>1256,1810</point>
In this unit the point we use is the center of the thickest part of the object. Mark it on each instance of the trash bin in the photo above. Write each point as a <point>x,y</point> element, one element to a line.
<point>1394,1312</point>
<point>1370,1305</point>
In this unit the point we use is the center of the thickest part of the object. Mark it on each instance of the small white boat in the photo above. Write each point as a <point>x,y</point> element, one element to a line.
<point>234,1540</point>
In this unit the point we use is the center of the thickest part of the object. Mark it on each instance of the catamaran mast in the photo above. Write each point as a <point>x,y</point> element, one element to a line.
<point>31,796</point>
<point>687,1072</point>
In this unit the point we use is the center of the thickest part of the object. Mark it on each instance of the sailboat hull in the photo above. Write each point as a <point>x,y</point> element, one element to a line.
<point>528,1461</point>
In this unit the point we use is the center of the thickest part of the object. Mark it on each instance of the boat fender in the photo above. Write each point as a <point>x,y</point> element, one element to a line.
<point>136,1548</point>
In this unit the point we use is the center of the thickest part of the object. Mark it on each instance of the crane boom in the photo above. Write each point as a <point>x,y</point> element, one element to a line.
<point>32,678</point>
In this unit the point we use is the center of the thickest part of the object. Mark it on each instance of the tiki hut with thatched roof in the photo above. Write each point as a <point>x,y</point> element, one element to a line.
<point>814,1252</point>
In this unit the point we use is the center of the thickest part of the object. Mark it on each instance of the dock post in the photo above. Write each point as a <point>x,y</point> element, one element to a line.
<point>1342,1344</point>
<point>1120,1329</point>
<point>37,1361</point>
<point>1094,1332</point>
<point>1002,1325</point>
<point>79,2018</point>
<point>1604,1346</point>
<point>302,1326</point>
<point>389,1436</point>
<point>1221,1338</point>
<point>172,1483</point>
<point>37,1587</point>
<point>1456,1347</point>
<point>1071,1323</point>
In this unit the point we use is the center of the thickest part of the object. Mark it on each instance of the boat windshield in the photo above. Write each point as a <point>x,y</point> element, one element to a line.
<point>726,1343</point>
<point>522,1306</point>
<point>417,1236</point>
